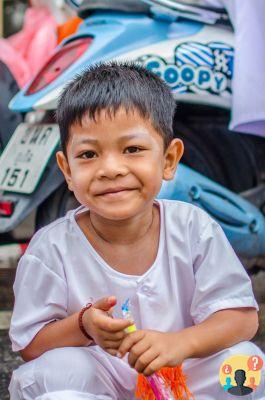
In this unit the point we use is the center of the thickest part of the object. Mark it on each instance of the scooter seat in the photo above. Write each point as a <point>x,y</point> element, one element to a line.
<point>128,6</point>
<point>187,9</point>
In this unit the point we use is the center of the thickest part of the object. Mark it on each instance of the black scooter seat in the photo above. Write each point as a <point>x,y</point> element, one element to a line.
<point>128,6</point>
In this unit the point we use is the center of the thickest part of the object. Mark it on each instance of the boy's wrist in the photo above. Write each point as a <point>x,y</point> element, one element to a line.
<point>83,327</point>
<point>188,342</point>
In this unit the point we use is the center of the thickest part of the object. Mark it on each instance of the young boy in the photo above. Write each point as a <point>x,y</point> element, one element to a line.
<point>191,299</point>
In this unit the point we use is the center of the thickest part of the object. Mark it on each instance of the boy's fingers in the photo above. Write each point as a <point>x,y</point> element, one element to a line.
<point>112,352</point>
<point>108,344</point>
<point>113,325</point>
<point>145,360</point>
<point>114,336</point>
<point>110,312</point>
<point>130,340</point>
<point>105,304</point>
<point>137,351</point>
<point>154,366</point>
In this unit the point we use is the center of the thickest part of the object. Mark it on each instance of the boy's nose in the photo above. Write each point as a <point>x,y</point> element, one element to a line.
<point>111,167</point>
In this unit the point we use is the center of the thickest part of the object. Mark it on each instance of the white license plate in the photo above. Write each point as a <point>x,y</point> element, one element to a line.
<point>26,156</point>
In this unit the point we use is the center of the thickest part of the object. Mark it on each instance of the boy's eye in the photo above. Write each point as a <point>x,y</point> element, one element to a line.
<point>133,149</point>
<point>87,154</point>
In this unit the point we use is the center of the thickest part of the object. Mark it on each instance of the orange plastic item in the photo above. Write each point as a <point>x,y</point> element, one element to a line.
<point>68,28</point>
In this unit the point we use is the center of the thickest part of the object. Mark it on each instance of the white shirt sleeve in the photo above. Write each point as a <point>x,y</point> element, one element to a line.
<point>40,297</point>
<point>221,281</point>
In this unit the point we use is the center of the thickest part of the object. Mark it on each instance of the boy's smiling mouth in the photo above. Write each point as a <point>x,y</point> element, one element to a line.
<point>113,191</point>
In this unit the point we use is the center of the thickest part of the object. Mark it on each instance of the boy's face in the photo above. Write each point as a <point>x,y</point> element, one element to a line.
<point>123,154</point>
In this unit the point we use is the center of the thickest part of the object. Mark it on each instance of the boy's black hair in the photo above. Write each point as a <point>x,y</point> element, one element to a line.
<point>109,86</point>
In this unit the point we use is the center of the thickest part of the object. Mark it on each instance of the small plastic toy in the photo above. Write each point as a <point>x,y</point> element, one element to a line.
<point>166,384</point>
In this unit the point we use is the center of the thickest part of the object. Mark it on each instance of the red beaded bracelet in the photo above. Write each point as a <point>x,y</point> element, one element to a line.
<point>80,321</point>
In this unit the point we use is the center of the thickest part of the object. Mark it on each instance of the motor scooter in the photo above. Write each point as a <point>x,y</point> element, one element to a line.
<point>191,48</point>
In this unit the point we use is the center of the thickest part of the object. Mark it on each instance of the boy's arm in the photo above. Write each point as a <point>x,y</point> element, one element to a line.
<point>221,282</point>
<point>61,333</point>
<point>106,331</point>
<point>221,330</point>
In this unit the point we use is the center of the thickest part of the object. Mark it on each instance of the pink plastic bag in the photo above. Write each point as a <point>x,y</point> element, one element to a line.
<point>13,60</point>
<point>25,52</point>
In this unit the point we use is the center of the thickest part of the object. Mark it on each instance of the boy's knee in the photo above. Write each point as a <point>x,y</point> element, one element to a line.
<point>65,368</point>
<point>58,369</point>
<point>70,395</point>
<point>22,381</point>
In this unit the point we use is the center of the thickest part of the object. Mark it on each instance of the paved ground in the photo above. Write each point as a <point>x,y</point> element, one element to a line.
<point>10,361</point>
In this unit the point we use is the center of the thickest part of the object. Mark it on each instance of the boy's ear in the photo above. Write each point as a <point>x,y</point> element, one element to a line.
<point>172,156</point>
<point>64,167</point>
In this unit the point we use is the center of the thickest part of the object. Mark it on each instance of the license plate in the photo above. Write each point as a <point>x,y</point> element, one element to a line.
<point>26,155</point>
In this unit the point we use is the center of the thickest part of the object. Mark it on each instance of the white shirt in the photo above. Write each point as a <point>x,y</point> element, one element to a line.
<point>196,273</point>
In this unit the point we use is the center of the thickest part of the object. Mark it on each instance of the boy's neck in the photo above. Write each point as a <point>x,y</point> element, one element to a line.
<point>122,232</point>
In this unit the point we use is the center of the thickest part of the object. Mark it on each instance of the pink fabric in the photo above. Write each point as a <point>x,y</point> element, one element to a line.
<point>16,64</point>
<point>25,52</point>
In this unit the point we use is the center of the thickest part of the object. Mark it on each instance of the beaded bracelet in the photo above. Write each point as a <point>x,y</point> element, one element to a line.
<point>80,321</point>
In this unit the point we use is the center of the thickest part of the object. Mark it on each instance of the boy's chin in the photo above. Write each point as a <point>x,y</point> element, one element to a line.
<point>117,215</point>
<point>117,212</point>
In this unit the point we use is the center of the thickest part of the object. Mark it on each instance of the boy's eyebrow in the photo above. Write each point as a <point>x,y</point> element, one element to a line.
<point>122,138</point>
<point>84,141</point>
<point>134,135</point>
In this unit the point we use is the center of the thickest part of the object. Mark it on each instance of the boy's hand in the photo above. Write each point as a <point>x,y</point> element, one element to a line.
<point>107,332</point>
<point>151,350</point>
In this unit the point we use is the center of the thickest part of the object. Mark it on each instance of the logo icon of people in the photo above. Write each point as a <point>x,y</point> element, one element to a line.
<point>240,375</point>
<point>228,384</point>
<point>240,389</point>
<point>252,383</point>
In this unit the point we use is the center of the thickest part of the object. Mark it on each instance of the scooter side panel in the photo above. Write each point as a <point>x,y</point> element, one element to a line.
<point>113,37</point>
<point>242,222</point>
